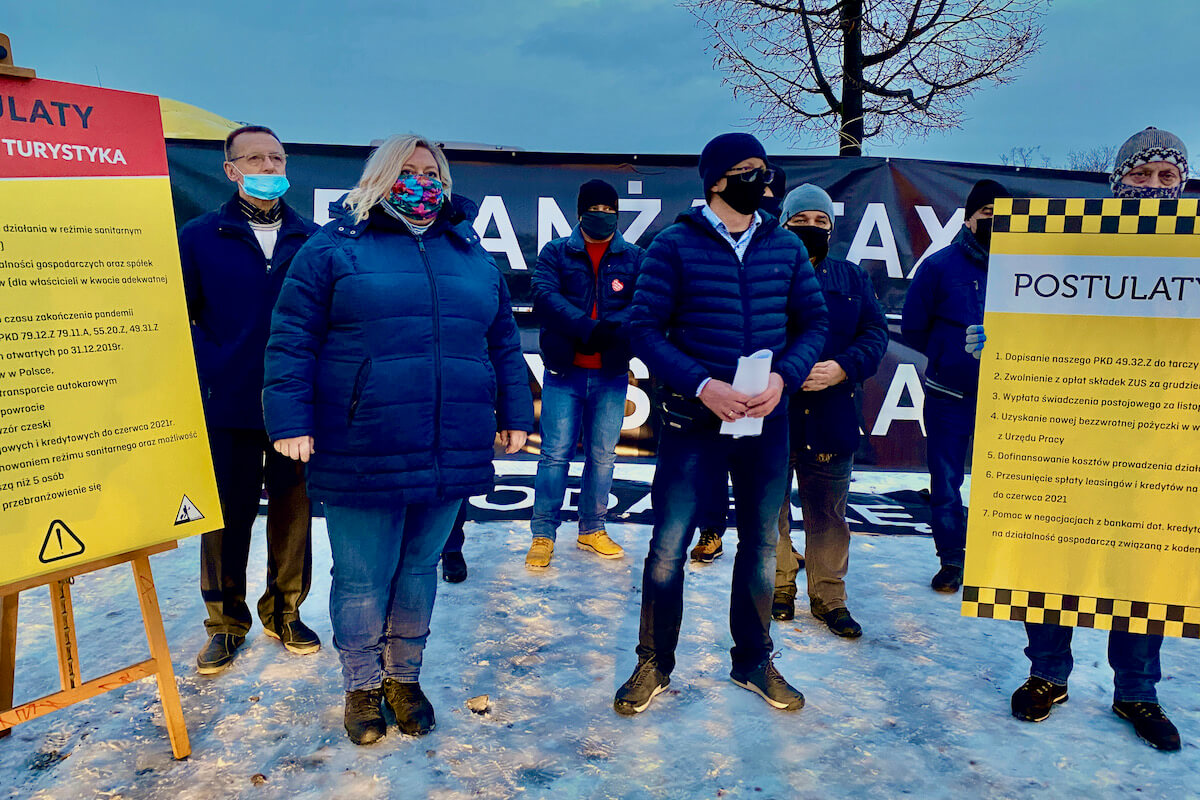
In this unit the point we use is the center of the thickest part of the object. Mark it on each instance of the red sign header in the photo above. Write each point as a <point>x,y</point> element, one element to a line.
<point>50,129</point>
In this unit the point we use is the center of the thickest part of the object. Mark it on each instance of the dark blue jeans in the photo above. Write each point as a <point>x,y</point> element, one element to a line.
<point>384,585</point>
<point>758,467</point>
<point>573,401</point>
<point>949,426</point>
<point>1132,656</point>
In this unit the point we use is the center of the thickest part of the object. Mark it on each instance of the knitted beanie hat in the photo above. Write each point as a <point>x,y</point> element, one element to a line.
<point>596,193</point>
<point>723,152</point>
<point>806,197</point>
<point>1146,147</point>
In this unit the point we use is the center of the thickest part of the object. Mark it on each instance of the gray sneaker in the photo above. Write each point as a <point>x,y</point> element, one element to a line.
<point>643,685</point>
<point>765,681</point>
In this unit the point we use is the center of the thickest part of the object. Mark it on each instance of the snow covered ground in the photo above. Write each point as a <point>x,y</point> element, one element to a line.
<point>917,706</point>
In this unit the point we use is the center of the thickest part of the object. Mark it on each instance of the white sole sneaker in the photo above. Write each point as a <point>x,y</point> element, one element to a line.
<point>773,703</point>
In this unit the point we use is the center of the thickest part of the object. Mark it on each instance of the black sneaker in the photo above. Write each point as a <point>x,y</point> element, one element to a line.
<point>709,548</point>
<point>840,622</point>
<point>1150,724</point>
<point>414,713</point>
<point>454,568</point>
<point>948,579</point>
<point>219,653</point>
<point>297,637</point>
<point>766,682</point>
<point>783,607</point>
<point>364,718</point>
<point>643,685</point>
<point>1033,700</point>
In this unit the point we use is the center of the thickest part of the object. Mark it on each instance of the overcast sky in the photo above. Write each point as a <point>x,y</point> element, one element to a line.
<point>624,76</point>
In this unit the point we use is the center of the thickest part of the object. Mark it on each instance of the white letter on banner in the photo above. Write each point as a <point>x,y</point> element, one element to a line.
<point>635,395</point>
<point>876,218</point>
<point>321,200</point>
<point>648,210</point>
<point>891,410</point>
<point>939,236</point>
<point>552,223</point>
<point>491,208</point>
<point>537,367</point>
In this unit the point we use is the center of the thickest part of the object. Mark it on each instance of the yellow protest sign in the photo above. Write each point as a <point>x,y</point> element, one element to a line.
<point>1086,472</point>
<point>103,448</point>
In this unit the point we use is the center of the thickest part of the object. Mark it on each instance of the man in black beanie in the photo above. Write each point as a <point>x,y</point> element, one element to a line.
<point>724,281</point>
<point>582,287</point>
<point>945,298</point>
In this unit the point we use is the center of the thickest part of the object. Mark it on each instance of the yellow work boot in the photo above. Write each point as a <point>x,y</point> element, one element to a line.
<point>599,543</point>
<point>539,553</point>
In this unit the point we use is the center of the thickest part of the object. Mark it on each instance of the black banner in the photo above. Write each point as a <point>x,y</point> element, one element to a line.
<point>891,213</point>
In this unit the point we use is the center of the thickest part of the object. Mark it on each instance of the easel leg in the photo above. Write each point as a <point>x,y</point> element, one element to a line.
<point>8,652</point>
<point>168,692</point>
<point>63,614</point>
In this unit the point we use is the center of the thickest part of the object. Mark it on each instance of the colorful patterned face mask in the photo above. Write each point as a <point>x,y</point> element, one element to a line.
<point>418,197</point>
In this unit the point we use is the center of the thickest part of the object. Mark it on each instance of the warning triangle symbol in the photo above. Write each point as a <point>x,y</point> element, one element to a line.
<point>187,512</point>
<point>60,543</point>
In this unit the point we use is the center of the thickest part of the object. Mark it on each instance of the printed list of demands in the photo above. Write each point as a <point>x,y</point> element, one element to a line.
<point>1072,439</point>
<point>71,332</point>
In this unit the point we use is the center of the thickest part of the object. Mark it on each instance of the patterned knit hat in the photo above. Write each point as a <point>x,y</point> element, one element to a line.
<point>1146,147</point>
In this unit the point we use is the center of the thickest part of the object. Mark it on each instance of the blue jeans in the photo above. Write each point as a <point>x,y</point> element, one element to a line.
<point>758,468</point>
<point>384,584</point>
<point>1132,656</point>
<point>949,426</point>
<point>824,488</point>
<point>573,401</point>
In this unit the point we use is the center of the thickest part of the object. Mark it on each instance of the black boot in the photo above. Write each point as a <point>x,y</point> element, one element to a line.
<point>1033,700</point>
<point>1150,724</point>
<point>454,567</point>
<point>364,717</point>
<point>783,607</point>
<point>414,714</point>
<point>948,580</point>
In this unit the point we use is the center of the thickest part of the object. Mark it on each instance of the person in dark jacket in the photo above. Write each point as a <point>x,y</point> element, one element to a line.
<point>945,298</point>
<point>724,281</point>
<point>823,421</point>
<point>234,263</point>
<point>582,286</point>
<point>1150,164</point>
<point>393,362</point>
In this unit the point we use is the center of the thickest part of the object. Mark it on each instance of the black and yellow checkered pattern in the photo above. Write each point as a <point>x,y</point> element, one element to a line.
<point>1071,610</point>
<point>1099,215</point>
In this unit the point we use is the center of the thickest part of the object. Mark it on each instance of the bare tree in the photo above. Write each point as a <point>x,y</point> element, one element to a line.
<point>1025,157</point>
<point>1093,159</point>
<point>864,68</point>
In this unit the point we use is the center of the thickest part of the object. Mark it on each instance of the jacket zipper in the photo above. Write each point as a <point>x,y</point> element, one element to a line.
<point>437,369</point>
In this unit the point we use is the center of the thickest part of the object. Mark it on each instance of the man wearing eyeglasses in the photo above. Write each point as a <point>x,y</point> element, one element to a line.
<point>724,281</point>
<point>234,262</point>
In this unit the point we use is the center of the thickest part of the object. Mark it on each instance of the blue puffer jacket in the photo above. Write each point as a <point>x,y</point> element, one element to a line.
<point>945,296</point>
<point>400,357</point>
<point>696,309</point>
<point>231,289</point>
<point>825,421</point>
<point>564,290</point>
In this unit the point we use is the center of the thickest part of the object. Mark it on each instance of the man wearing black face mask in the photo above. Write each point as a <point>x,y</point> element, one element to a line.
<point>722,282</point>
<point>582,287</point>
<point>824,424</point>
<point>945,298</point>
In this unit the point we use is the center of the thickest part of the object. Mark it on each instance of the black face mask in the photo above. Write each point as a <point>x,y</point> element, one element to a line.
<point>742,196</point>
<point>816,240</point>
<point>983,233</point>
<point>598,224</point>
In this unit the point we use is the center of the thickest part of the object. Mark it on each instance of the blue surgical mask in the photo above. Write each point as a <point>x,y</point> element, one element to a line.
<point>264,187</point>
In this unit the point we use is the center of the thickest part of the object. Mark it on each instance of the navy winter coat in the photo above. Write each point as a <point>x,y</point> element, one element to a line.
<point>945,296</point>
<point>826,421</point>
<point>564,289</point>
<point>696,309</point>
<point>399,355</point>
<point>231,289</point>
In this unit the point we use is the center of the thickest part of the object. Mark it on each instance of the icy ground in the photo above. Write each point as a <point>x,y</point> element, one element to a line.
<point>918,706</point>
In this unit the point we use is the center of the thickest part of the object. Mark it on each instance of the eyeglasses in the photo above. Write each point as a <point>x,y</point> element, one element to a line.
<point>751,175</point>
<point>257,160</point>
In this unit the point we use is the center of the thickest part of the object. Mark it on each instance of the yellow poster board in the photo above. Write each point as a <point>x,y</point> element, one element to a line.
<point>103,447</point>
<point>1085,479</point>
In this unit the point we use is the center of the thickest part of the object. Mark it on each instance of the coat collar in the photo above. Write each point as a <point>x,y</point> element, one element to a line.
<point>230,217</point>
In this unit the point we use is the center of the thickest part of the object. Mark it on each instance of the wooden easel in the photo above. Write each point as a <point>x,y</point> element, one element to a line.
<point>74,688</point>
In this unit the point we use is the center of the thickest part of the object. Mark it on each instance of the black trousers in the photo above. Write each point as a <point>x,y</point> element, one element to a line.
<point>243,461</point>
<point>455,543</point>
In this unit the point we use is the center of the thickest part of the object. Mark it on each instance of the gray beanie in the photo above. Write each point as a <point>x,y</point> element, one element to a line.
<point>806,197</point>
<point>1146,147</point>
